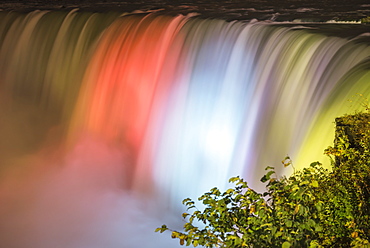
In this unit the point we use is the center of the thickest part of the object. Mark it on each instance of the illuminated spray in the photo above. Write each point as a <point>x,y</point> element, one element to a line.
<point>123,116</point>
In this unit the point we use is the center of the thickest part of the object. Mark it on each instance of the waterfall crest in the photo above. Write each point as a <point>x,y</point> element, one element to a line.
<point>167,106</point>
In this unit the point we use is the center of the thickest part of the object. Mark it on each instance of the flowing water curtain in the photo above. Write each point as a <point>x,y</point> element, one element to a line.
<point>193,101</point>
<point>43,56</point>
<point>219,126</point>
<point>349,96</point>
<point>123,85</point>
<point>204,144</point>
<point>297,70</point>
<point>345,76</point>
<point>210,99</point>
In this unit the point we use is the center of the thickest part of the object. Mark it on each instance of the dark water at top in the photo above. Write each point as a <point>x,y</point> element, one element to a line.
<point>277,10</point>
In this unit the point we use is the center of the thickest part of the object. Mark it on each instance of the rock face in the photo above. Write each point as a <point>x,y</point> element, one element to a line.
<point>350,133</point>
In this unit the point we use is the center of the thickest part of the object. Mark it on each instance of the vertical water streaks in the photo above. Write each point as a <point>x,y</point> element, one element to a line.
<point>49,198</point>
<point>161,106</point>
<point>123,84</point>
<point>43,56</point>
<point>349,95</point>
<point>209,99</point>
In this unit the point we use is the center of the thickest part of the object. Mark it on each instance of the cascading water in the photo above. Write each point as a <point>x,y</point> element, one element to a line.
<point>108,121</point>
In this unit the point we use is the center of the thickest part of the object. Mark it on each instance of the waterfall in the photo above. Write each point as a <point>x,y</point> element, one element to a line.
<point>109,120</point>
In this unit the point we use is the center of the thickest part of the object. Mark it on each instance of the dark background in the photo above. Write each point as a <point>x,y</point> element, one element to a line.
<point>275,10</point>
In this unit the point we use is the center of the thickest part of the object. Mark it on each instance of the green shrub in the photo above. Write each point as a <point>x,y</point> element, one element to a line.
<point>313,207</point>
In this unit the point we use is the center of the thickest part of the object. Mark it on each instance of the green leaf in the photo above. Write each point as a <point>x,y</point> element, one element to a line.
<point>300,192</point>
<point>195,243</point>
<point>188,242</point>
<point>304,183</point>
<point>315,184</point>
<point>189,203</point>
<point>161,229</point>
<point>191,207</point>
<point>318,228</point>
<point>229,191</point>
<point>267,177</point>
<point>174,234</point>
<point>286,244</point>
<point>289,223</point>
<point>313,244</point>
<point>318,206</point>
<point>314,164</point>
<point>234,179</point>
<point>278,234</point>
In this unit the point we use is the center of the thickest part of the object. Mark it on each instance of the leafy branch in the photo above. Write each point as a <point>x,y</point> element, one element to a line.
<point>314,207</point>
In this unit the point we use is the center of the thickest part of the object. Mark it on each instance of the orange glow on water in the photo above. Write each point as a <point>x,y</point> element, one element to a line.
<point>124,82</point>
